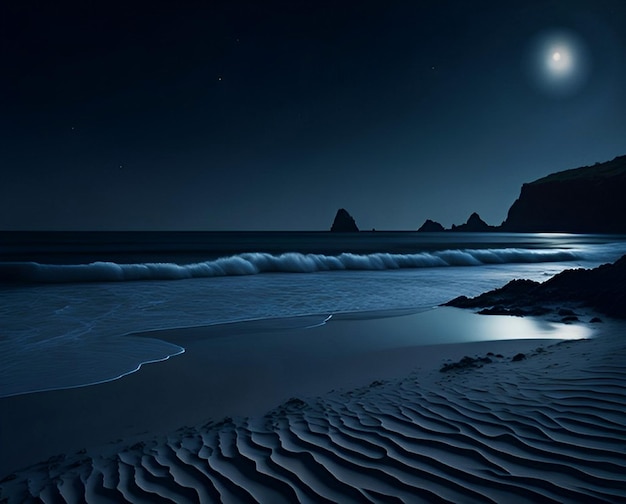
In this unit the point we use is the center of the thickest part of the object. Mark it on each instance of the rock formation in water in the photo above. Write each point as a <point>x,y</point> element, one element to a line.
<point>430,226</point>
<point>601,288</point>
<point>344,222</point>
<point>473,225</point>
<point>591,199</point>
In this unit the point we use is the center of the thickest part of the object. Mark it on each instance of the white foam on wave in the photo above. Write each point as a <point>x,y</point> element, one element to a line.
<point>259,262</point>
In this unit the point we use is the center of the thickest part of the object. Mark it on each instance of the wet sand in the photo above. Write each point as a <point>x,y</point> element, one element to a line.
<point>355,409</point>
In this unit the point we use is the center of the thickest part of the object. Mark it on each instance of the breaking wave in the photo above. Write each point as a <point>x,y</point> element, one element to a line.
<point>258,262</point>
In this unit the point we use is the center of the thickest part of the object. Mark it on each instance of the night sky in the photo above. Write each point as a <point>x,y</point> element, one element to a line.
<point>271,115</point>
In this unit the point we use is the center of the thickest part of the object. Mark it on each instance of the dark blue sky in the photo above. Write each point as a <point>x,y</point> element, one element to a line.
<point>271,115</point>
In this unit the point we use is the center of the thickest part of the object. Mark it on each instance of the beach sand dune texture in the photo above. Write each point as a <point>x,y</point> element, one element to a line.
<point>550,427</point>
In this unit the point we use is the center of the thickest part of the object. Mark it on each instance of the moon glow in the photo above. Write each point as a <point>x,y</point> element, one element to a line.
<point>558,63</point>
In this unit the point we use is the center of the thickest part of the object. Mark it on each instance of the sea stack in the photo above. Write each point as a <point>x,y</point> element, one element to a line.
<point>473,225</point>
<point>430,226</point>
<point>344,222</point>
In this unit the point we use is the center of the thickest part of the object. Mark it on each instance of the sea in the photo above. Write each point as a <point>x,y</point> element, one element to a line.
<point>75,307</point>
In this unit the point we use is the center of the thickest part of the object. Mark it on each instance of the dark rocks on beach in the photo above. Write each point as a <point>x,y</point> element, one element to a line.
<point>344,222</point>
<point>515,295</point>
<point>430,226</point>
<point>465,363</point>
<point>478,362</point>
<point>595,320</point>
<point>536,311</point>
<point>566,312</point>
<point>501,310</point>
<point>601,288</point>
<point>295,402</point>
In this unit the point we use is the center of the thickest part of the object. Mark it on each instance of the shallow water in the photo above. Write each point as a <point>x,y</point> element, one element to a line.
<point>69,334</point>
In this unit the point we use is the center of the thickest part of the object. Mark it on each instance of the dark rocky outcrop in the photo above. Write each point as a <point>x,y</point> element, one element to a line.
<point>344,222</point>
<point>473,225</point>
<point>466,363</point>
<point>602,288</point>
<point>430,226</point>
<point>583,200</point>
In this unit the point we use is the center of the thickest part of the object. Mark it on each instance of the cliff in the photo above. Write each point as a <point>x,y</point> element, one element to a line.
<point>583,200</point>
<point>343,222</point>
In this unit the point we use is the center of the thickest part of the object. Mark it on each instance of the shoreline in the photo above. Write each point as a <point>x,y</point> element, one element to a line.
<point>178,337</point>
<point>248,378</point>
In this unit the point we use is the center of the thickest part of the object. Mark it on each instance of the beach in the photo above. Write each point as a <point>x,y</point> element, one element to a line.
<point>318,409</point>
<point>366,252</point>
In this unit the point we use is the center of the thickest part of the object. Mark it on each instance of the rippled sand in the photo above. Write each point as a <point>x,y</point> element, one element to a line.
<point>549,428</point>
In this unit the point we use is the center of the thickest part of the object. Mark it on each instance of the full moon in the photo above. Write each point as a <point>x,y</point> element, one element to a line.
<point>557,63</point>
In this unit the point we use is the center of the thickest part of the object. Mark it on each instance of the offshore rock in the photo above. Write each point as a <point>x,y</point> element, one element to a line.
<point>430,226</point>
<point>344,222</point>
<point>473,225</point>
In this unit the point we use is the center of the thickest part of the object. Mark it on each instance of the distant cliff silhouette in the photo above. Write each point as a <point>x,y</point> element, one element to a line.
<point>591,199</point>
<point>344,222</point>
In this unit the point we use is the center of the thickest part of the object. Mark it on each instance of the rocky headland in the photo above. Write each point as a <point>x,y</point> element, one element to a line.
<point>583,200</point>
<point>589,199</point>
<point>601,289</point>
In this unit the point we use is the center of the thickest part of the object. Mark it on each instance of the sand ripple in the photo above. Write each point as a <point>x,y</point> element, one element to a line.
<point>506,432</point>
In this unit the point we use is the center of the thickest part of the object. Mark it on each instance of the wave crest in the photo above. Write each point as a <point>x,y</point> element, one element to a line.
<point>260,262</point>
